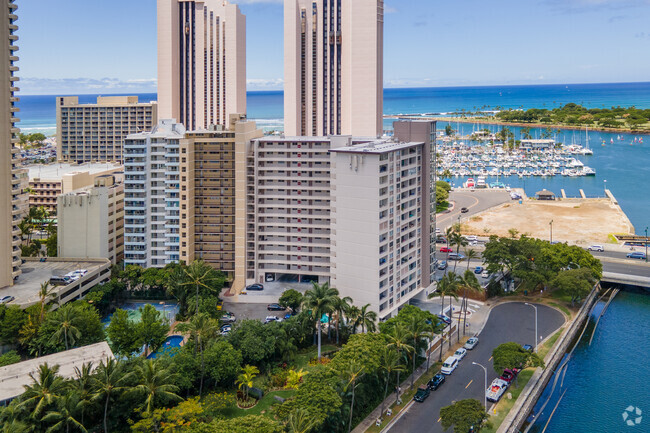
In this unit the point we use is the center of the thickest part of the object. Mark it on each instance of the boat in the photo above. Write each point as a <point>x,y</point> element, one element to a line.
<point>470,183</point>
<point>588,171</point>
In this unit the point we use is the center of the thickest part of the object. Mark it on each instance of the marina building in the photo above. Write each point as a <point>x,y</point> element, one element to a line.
<point>48,181</point>
<point>91,221</point>
<point>151,195</point>
<point>96,132</point>
<point>13,202</point>
<point>201,62</point>
<point>333,67</point>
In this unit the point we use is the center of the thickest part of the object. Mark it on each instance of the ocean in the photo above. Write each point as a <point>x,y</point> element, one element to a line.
<point>622,164</point>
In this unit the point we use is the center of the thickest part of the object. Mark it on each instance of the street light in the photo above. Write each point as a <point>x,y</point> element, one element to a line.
<point>551,224</point>
<point>535,307</point>
<point>484,389</point>
<point>605,184</point>
<point>646,245</point>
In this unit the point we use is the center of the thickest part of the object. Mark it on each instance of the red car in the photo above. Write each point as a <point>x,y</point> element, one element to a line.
<point>509,375</point>
<point>446,250</point>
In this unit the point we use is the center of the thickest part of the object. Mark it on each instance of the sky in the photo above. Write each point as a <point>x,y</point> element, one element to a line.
<point>99,46</point>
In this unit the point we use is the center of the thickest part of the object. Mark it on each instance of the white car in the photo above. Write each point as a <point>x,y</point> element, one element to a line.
<point>270,319</point>
<point>449,365</point>
<point>485,274</point>
<point>471,343</point>
<point>598,248</point>
<point>460,353</point>
<point>496,390</point>
<point>471,238</point>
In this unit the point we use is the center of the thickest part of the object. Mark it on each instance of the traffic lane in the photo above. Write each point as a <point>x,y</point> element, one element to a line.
<point>513,321</point>
<point>475,201</point>
<point>625,268</point>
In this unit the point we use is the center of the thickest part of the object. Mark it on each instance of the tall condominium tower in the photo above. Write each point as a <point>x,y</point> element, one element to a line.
<point>333,67</point>
<point>201,62</point>
<point>12,199</point>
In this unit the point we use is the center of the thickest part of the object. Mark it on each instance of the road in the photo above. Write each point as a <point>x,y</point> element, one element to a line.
<point>474,200</point>
<point>507,322</point>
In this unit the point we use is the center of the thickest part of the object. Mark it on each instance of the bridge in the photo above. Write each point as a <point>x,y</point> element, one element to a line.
<point>626,271</point>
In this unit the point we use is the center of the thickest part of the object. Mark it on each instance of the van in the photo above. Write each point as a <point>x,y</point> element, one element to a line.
<point>60,281</point>
<point>449,365</point>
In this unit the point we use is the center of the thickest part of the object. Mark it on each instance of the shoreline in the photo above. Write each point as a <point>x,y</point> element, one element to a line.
<point>486,121</point>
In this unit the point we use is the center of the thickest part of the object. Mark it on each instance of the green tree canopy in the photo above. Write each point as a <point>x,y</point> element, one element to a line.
<point>291,299</point>
<point>513,355</point>
<point>463,415</point>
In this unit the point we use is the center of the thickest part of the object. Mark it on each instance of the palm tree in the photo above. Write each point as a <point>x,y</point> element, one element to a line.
<point>367,319</point>
<point>44,295</point>
<point>155,383</point>
<point>66,321</point>
<point>430,331</point>
<point>245,379</point>
<point>107,382</point>
<point>457,240</point>
<point>82,386</point>
<point>320,300</point>
<point>300,421</point>
<point>354,372</point>
<point>390,363</point>
<point>416,329</point>
<point>471,254</point>
<point>468,282</point>
<point>352,316</point>
<point>398,339</point>
<point>46,389</point>
<point>201,329</point>
<point>64,416</point>
<point>447,286</point>
<point>199,274</point>
<point>341,306</point>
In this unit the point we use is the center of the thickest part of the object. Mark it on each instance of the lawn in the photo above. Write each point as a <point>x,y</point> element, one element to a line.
<point>263,406</point>
<point>562,308</point>
<point>302,359</point>
<point>548,344</point>
<point>503,407</point>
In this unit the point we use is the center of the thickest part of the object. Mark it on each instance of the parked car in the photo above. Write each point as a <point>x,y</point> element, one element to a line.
<point>442,265</point>
<point>255,287</point>
<point>449,365</point>
<point>636,255</point>
<point>509,374</point>
<point>287,316</point>
<point>464,210</point>
<point>421,394</point>
<point>471,343</point>
<point>446,250</point>
<point>444,319</point>
<point>460,353</point>
<point>485,274</point>
<point>471,238</point>
<point>496,390</point>
<point>436,381</point>
<point>275,307</point>
<point>527,347</point>
<point>6,299</point>
<point>270,319</point>
<point>478,270</point>
<point>226,328</point>
<point>228,318</point>
<point>60,280</point>
<point>455,256</point>
<point>441,240</point>
<point>599,248</point>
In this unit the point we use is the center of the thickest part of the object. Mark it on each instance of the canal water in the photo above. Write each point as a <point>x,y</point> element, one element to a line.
<point>607,379</point>
<point>621,166</point>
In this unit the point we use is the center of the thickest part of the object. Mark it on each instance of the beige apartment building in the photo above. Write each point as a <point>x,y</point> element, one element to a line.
<point>48,181</point>
<point>91,221</point>
<point>201,62</point>
<point>333,67</point>
<point>95,132</point>
<point>12,197</point>
<point>213,197</point>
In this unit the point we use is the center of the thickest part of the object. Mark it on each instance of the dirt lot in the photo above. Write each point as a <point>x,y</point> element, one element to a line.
<point>574,220</point>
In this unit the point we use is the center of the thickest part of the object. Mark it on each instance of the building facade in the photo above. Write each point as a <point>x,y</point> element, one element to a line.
<point>151,195</point>
<point>12,197</point>
<point>213,197</point>
<point>48,181</point>
<point>96,132</point>
<point>91,221</point>
<point>201,62</point>
<point>333,67</point>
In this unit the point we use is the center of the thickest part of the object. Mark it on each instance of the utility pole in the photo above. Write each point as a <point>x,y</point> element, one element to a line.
<point>646,245</point>
<point>551,224</point>
<point>536,337</point>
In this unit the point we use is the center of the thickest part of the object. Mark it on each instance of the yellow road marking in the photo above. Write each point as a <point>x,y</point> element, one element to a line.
<point>439,419</point>
<point>490,359</point>
<point>470,382</point>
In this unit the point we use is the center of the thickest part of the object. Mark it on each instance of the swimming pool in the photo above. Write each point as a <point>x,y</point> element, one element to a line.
<point>172,342</point>
<point>168,310</point>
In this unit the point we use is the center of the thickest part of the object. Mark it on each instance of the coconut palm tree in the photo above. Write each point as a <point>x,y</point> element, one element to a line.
<point>45,391</point>
<point>367,319</point>
<point>320,300</point>
<point>300,421</point>
<point>352,316</point>
<point>82,386</point>
<point>430,331</point>
<point>64,416</point>
<point>245,379</point>
<point>390,363</point>
<point>457,240</point>
<point>107,382</point>
<point>66,319</point>
<point>417,330</point>
<point>353,373</point>
<point>201,329</point>
<point>447,286</point>
<point>155,384</point>
<point>468,283</point>
<point>199,274</point>
<point>399,340</point>
<point>341,307</point>
<point>45,294</point>
<point>471,254</point>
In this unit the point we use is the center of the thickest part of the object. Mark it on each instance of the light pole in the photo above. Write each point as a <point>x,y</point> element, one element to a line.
<point>646,245</point>
<point>605,184</point>
<point>535,307</point>
<point>484,389</point>
<point>551,224</point>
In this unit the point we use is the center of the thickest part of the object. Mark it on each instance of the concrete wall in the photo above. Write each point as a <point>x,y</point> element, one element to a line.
<point>83,224</point>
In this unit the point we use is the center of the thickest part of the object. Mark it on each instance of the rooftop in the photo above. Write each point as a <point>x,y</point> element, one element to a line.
<point>377,147</point>
<point>58,170</point>
<point>14,377</point>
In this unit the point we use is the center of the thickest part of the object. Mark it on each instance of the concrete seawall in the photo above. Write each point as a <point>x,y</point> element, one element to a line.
<point>528,398</point>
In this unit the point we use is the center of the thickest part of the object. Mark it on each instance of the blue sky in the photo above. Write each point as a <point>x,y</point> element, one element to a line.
<point>99,46</point>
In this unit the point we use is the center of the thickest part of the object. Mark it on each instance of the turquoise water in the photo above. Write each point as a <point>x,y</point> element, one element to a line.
<point>604,379</point>
<point>172,342</point>
<point>168,310</point>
